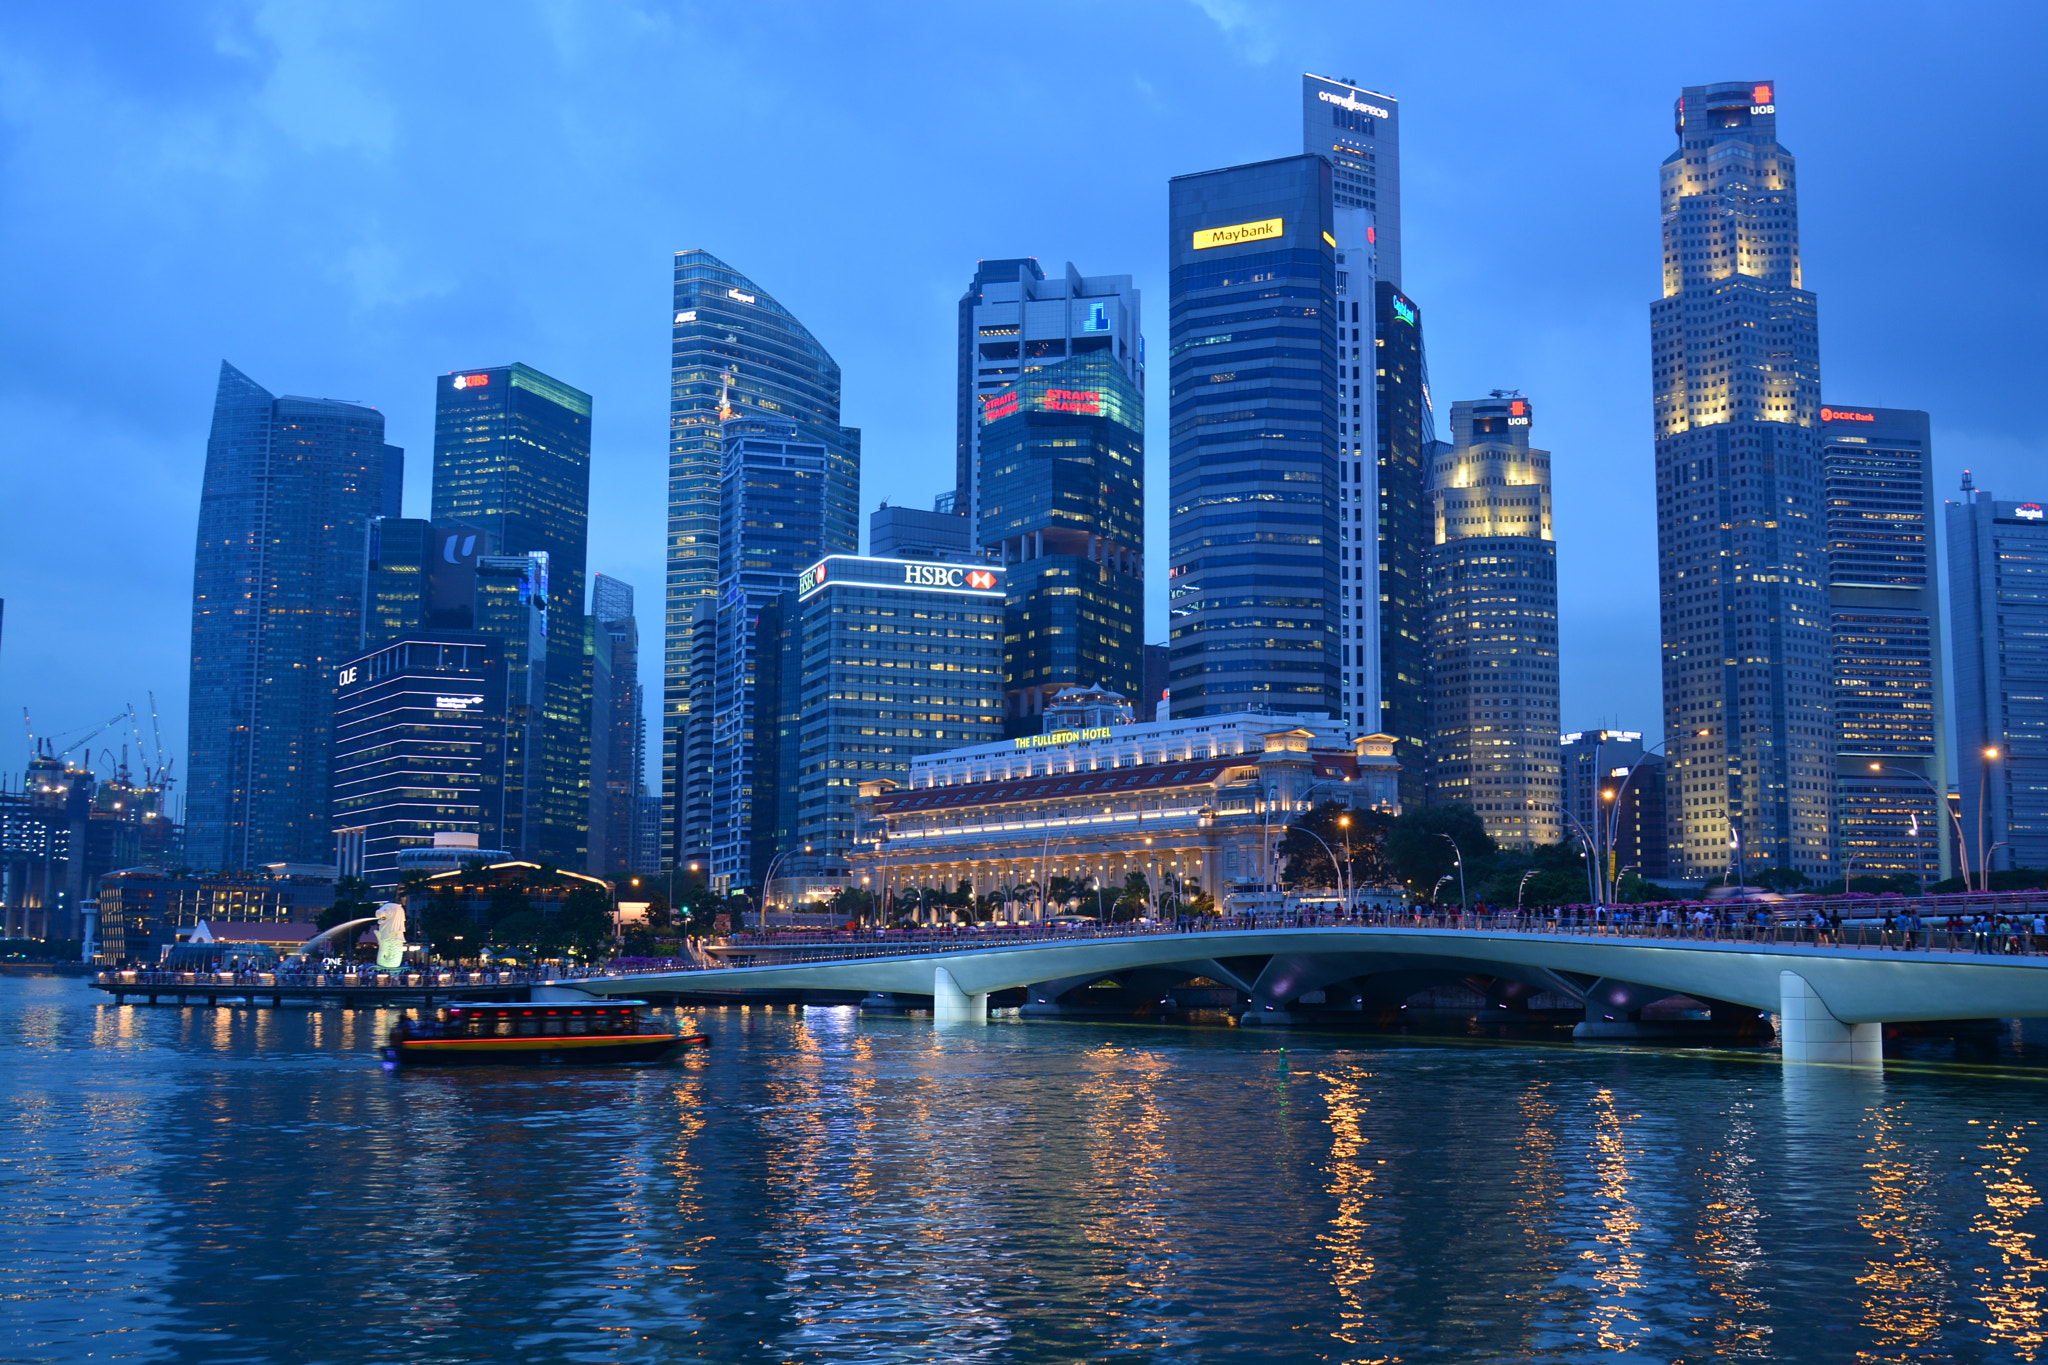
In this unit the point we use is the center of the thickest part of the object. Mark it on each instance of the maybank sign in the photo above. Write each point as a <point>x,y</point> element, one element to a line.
<point>1265,230</point>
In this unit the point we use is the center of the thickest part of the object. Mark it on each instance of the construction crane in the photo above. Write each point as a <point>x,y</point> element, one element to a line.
<point>162,780</point>
<point>94,733</point>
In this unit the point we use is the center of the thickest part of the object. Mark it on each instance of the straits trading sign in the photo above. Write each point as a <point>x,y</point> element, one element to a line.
<point>1237,234</point>
<point>1046,741</point>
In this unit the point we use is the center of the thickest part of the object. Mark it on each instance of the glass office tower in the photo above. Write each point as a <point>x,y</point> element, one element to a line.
<point>512,457</point>
<point>618,727</point>
<point>967,399</point>
<point>733,347</point>
<point>1407,450</point>
<point>1253,577</point>
<point>1742,556</point>
<point>1998,609</point>
<point>1059,460</point>
<point>417,575</point>
<point>291,485</point>
<point>786,503</point>
<point>1492,589</point>
<point>1359,132</point>
<point>892,659</point>
<point>1891,710</point>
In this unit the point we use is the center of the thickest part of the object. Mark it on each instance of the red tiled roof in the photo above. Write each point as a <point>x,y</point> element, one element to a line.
<point>1102,782</point>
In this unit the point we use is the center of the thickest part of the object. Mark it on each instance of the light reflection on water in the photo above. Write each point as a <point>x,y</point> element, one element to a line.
<point>237,1185</point>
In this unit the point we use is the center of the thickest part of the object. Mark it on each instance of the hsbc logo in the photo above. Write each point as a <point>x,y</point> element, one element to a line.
<point>981,578</point>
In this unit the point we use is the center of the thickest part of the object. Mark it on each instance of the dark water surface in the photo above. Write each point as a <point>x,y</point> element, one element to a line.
<point>240,1185</point>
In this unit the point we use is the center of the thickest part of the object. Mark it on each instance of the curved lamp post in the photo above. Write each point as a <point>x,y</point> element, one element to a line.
<point>1940,805</point>
<point>1464,902</point>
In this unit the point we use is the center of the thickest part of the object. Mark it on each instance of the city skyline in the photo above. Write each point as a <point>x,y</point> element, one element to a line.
<point>878,383</point>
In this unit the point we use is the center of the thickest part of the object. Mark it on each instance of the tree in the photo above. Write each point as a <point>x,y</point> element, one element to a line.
<point>1358,838</point>
<point>508,899</point>
<point>584,924</point>
<point>523,929</point>
<point>1133,899</point>
<point>351,901</point>
<point>449,930</point>
<point>1420,857</point>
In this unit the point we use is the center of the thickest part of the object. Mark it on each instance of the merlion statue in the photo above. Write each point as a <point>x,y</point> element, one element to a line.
<point>390,936</point>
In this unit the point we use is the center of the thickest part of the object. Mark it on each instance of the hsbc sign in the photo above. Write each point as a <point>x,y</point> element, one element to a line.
<point>945,576</point>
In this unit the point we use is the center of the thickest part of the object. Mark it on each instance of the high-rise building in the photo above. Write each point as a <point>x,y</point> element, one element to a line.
<point>1742,560</point>
<point>1059,461</point>
<point>1407,450</point>
<point>1890,695</point>
<point>511,609</point>
<point>1358,131</point>
<point>787,502</point>
<point>892,659</point>
<point>290,487</point>
<point>1998,614</point>
<point>1492,587</point>
<point>913,533</point>
<point>512,457</point>
<point>419,732</point>
<point>1589,759</point>
<point>618,728</point>
<point>967,401</point>
<point>419,576</point>
<point>1253,582</point>
<point>734,348</point>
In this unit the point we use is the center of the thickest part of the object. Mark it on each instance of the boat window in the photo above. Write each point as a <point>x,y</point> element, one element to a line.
<point>576,1024</point>
<point>552,1026</point>
<point>528,1027</point>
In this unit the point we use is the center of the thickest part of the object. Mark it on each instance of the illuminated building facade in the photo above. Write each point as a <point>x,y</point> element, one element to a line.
<point>968,386</point>
<point>1358,131</point>
<point>1254,584</point>
<point>1998,611</point>
<point>291,485</point>
<point>419,576</point>
<point>1742,558</point>
<point>1890,697</point>
<point>419,732</point>
<point>1058,463</point>
<point>512,457</point>
<point>732,345</point>
<point>1194,803</point>
<point>1405,436</point>
<point>618,729</point>
<point>786,503</point>
<point>1492,588</point>
<point>891,660</point>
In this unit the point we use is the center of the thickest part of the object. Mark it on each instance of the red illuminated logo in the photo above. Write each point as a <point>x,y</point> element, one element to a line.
<point>1072,400</point>
<point>1763,94</point>
<point>821,571</point>
<point>1518,409</point>
<point>999,407</point>
<point>1844,415</point>
<point>1372,236</point>
<point>980,578</point>
<point>471,381</point>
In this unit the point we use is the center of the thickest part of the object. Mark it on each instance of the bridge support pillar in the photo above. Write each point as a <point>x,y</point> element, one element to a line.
<point>1809,1032</point>
<point>951,1005</point>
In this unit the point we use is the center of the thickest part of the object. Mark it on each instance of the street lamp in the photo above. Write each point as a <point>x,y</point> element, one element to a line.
<point>1343,887</point>
<point>1983,853</point>
<point>1464,902</point>
<point>1940,804</point>
<point>1518,889</point>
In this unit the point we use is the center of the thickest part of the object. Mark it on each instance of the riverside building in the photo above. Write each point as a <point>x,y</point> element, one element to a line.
<point>892,660</point>
<point>1492,586</point>
<point>1891,708</point>
<point>1998,609</point>
<point>1253,585</point>
<point>419,732</point>
<point>786,503</point>
<point>1193,803</point>
<point>512,457</point>
<point>1742,559</point>
<point>618,730</point>
<point>290,488</point>
<point>1058,493</point>
<point>734,349</point>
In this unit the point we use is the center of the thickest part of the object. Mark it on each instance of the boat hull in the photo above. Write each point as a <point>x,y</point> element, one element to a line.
<point>537,1051</point>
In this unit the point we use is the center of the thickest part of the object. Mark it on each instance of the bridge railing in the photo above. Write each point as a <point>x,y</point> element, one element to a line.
<point>2010,926</point>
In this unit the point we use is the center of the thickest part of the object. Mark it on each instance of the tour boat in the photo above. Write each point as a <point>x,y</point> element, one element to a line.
<point>492,1032</point>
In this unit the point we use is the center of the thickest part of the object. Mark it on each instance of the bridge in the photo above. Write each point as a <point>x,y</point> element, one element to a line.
<point>1832,999</point>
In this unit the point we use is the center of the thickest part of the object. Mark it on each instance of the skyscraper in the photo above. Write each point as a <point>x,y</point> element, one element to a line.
<point>1891,707</point>
<point>290,487</point>
<point>618,727</point>
<point>1742,563</point>
<point>511,607</point>
<point>1492,585</point>
<point>786,503</point>
<point>734,346</point>
<point>1058,491</point>
<point>890,660</point>
<point>417,575</point>
<point>1358,131</point>
<point>512,457</point>
<point>913,533</point>
<point>1998,600</point>
<point>1253,577</point>
<point>967,400</point>
<point>1407,451</point>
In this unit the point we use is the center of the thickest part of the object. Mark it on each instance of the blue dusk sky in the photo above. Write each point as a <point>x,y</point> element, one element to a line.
<point>346,200</point>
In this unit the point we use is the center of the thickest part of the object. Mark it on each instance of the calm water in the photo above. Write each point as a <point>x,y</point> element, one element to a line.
<point>238,1185</point>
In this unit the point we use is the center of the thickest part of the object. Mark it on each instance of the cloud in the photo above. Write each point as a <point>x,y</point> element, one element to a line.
<point>1244,24</point>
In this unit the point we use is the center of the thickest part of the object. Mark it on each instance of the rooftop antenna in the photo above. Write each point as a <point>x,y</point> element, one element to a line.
<point>1969,486</point>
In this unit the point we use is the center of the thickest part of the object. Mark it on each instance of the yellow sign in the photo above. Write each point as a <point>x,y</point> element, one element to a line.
<point>1062,737</point>
<point>1263,230</point>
